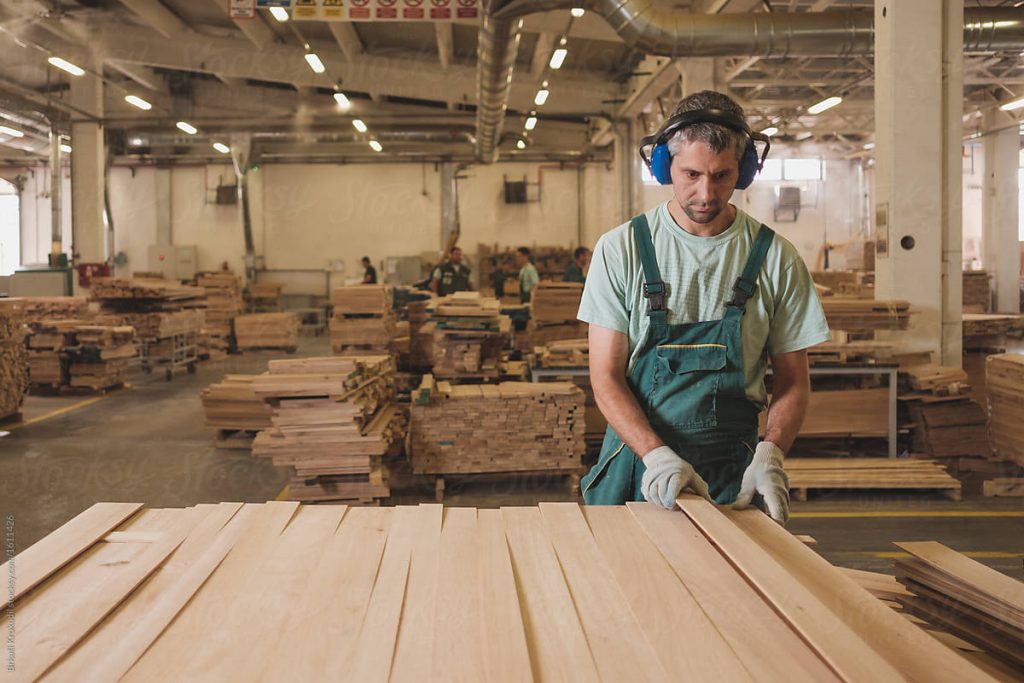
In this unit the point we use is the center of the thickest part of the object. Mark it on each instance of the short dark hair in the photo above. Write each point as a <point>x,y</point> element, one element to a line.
<point>580,251</point>
<point>525,251</point>
<point>452,250</point>
<point>718,138</point>
<point>366,258</point>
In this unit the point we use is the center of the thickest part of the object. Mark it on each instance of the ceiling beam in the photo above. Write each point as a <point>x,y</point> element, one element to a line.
<point>254,29</point>
<point>542,53</point>
<point>820,6</point>
<point>142,75</point>
<point>347,38</point>
<point>445,43</point>
<point>156,15</point>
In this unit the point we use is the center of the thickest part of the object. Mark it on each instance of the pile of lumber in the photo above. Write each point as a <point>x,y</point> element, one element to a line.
<point>543,333</point>
<point>508,427</point>
<point>985,329</point>
<point>829,415</point>
<point>13,358</point>
<point>869,473</point>
<point>858,284</point>
<point>333,422</point>
<point>47,340</point>
<point>363,321</point>
<point>469,335</point>
<point>977,296</point>
<point>1010,487</point>
<point>112,288</point>
<point>232,406</point>
<point>223,304</point>
<point>312,593</point>
<point>1004,377</point>
<point>267,331</point>
<point>99,359</point>
<point>45,308</point>
<point>573,353</point>
<point>550,262</point>
<point>865,314</point>
<point>555,301</point>
<point>156,325</point>
<point>965,598</point>
<point>421,334</point>
<point>157,309</point>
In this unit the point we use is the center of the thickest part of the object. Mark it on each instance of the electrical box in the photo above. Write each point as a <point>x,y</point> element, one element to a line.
<point>515,191</point>
<point>227,194</point>
<point>175,262</point>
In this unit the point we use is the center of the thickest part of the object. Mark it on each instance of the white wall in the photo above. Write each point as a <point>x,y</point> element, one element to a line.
<point>36,220</point>
<point>974,175</point>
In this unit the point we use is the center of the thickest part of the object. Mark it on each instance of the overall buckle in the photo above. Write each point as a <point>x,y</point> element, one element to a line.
<point>654,292</point>
<point>742,290</point>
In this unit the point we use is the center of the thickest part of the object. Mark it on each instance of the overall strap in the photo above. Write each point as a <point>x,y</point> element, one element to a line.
<point>746,284</point>
<point>654,287</point>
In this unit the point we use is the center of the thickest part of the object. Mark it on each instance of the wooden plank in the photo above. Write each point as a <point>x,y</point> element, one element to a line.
<point>617,641</point>
<point>416,629</point>
<point>39,561</point>
<point>558,646</point>
<point>1003,486</point>
<point>508,657</point>
<point>902,644</point>
<point>836,642</point>
<point>459,649</point>
<point>649,584</point>
<point>779,652</point>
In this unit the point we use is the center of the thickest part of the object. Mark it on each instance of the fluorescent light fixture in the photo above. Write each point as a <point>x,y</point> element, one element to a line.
<point>531,123</point>
<point>137,101</point>
<point>541,98</point>
<point>342,100</point>
<point>314,63</point>
<point>577,12</point>
<point>187,127</point>
<point>770,131</point>
<point>869,145</point>
<point>805,135</point>
<point>1015,104</point>
<point>135,142</point>
<point>221,147</point>
<point>65,65</point>
<point>359,125</point>
<point>827,103</point>
<point>13,132</point>
<point>280,13</point>
<point>520,144</point>
<point>558,57</point>
<point>375,146</point>
<point>65,148</point>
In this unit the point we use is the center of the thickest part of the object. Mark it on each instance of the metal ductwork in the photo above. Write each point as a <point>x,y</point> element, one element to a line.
<point>656,29</point>
<point>496,56</point>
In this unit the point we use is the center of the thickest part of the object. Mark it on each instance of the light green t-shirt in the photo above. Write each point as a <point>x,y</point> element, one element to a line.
<point>528,278</point>
<point>784,315</point>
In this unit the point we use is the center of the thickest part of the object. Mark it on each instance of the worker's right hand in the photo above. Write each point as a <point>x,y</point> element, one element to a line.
<point>667,474</point>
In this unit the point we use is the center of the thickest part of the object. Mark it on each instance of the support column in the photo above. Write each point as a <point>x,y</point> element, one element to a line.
<point>629,164</point>
<point>697,74</point>
<point>1000,229</point>
<point>87,170</point>
<point>918,197</point>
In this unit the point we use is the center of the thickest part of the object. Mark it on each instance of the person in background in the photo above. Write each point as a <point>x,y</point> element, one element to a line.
<point>498,280</point>
<point>369,272</point>
<point>574,271</point>
<point>528,277</point>
<point>452,275</point>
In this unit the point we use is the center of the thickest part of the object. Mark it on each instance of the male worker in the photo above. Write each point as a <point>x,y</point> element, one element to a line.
<point>528,277</point>
<point>369,272</point>
<point>685,304</point>
<point>452,275</point>
<point>574,271</point>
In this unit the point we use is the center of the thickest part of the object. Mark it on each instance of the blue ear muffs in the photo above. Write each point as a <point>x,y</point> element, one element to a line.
<point>660,161</point>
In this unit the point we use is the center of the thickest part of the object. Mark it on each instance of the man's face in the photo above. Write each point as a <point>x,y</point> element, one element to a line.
<point>521,259</point>
<point>456,256</point>
<point>583,260</point>
<point>703,181</point>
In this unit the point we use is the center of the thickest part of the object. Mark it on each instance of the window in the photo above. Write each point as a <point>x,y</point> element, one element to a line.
<point>801,169</point>
<point>772,170</point>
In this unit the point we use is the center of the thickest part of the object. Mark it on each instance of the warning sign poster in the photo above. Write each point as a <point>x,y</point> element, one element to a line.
<point>385,10</point>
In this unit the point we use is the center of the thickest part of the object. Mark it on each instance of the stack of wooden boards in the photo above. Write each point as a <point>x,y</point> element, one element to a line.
<point>964,597</point>
<point>223,304</point>
<point>508,427</point>
<point>99,360</point>
<point>858,284</point>
<point>333,423</point>
<point>363,321</point>
<point>988,330</point>
<point>13,358</point>
<point>570,353</point>
<point>235,411</point>
<point>550,263</point>
<point>553,308</point>
<point>469,335</point>
<point>869,473</point>
<point>865,314</point>
<point>43,308</point>
<point>279,591</point>
<point>265,295</point>
<point>1004,374</point>
<point>977,294</point>
<point>277,331</point>
<point>47,362</point>
<point>157,309</point>
<point>421,334</point>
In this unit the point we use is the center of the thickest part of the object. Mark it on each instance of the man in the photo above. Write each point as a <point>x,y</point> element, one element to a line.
<point>574,271</point>
<point>451,276</point>
<point>528,277</point>
<point>369,272</point>
<point>685,304</point>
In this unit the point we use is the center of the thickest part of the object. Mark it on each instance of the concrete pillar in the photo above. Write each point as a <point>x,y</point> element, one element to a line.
<point>697,74</point>
<point>87,170</point>
<point>627,159</point>
<point>918,175</point>
<point>999,221</point>
<point>164,237</point>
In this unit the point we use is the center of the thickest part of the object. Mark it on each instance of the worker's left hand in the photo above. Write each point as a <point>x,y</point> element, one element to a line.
<point>765,475</point>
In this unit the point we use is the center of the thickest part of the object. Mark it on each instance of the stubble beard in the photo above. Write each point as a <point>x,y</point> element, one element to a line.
<point>703,218</point>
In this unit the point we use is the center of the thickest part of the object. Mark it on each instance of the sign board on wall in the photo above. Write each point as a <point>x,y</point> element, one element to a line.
<point>242,9</point>
<point>385,10</point>
<point>274,3</point>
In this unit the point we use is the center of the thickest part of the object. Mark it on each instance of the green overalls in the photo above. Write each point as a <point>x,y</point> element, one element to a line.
<point>689,381</point>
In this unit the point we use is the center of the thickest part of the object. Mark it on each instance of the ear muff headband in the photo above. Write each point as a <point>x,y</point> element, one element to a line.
<point>660,161</point>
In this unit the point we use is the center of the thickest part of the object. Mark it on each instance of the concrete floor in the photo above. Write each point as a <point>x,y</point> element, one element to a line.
<point>148,444</point>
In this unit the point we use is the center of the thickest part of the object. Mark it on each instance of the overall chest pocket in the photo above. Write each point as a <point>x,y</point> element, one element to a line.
<point>684,394</point>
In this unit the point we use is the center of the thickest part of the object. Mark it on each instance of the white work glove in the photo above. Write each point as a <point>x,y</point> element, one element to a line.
<point>667,474</point>
<point>766,476</point>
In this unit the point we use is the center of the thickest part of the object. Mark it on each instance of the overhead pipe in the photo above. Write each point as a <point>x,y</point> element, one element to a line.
<point>497,46</point>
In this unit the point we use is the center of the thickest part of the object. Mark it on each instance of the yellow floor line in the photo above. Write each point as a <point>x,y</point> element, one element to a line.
<point>284,493</point>
<point>59,411</point>
<point>980,554</point>
<point>906,513</point>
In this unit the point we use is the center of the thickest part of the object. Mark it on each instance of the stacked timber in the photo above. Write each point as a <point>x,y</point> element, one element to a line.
<point>869,473</point>
<point>553,308</point>
<point>100,358</point>
<point>1009,487</point>
<point>989,330</point>
<point>469,335</point>
<point>223,304</point>
<point>508,427</point>
<point>278,331</point>
<point>855,315</point>
<point>858,284</point>
<point>1004,376</point>
<point>977,296</point>
<point>549,261</point>
<point>573,353</point>
<point>265,296</point>
<point>364,321</point>
<point>964,597</point>
<point>47,341</point>
<point>157,309</point>
<point>13,358</point>
<point>333,422</point>
<point>235,411</point>
<point>45,308</point>
<point>421,334</point>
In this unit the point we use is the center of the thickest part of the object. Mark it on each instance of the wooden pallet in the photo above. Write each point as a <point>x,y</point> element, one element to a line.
<point>869,474</point>
<point>572,479</point>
